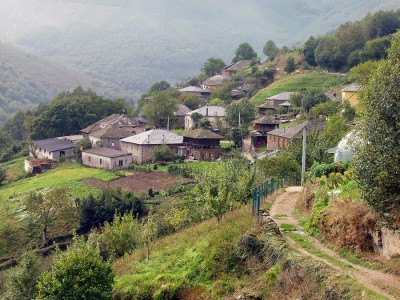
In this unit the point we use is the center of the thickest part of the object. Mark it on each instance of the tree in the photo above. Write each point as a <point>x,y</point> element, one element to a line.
<point>159,86</point>
<point>281,164</point>
<point>325,109</point>
<point>163,153</point>
<point>245,109</point>
<point>196,117</point>
<point>270,50</point>
<point>149,233</point>
<point>212,66</point>
<point>44,207</point>
<point>312,98</point>
<point>3,175</point>
<point>191,101</point>
<point>223,92</point>
<point>309,49</point>
<point>362,72</point>
<point>77,274</point>
<point>244,52</point>
<point>21,284</point>
<point>377,152</point>
<point>159,107</point>
<point>290,65</point>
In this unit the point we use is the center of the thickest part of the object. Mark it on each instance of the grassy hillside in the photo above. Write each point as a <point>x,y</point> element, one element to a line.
<point>318,81</point>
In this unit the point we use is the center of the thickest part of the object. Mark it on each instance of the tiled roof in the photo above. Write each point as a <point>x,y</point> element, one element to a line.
<point>114,132</point>
<point>211,110</point>
<point>295,131</point>
<point>352,88</point>
<point>154,137</point>
<point>194,89</point>
<point>240,65</point>
<point>266,120</point>
<point>182,110</point>
<point>106,152</point>
<point>53,144</point>
<point>202,133</point>
<point>107,122</point>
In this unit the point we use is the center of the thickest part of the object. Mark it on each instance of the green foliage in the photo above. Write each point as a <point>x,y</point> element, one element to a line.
<point>212,66</point>
<point>290,65</point>
<point>244,52</point>
<point>78,273</point>
<point>325,109</point>
<point>94,211</point>
<point>159,86</point>
<point>278,165</point>
<point>377,155</point>
<point>223,92</point>
<point>158,107</point>
<point>309,49</point>
<point>318,170</point>
<point>46,206</point>
<point>191,101</point>
<point>205,123</point>
<point>163,153</point>
<point>22,281</point>
<point>363,71</point>
<point>245,109</point>
<point>3,175</point>
<point>270,50</point>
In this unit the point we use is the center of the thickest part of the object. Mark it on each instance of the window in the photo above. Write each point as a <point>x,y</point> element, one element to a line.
<point>120,163</point>
<point>89,158</point>
<point>101,161</point>
<point>112,144</point>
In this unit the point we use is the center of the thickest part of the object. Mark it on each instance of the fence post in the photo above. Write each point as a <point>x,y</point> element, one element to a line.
<point>258,207</point>
<point>266,188</point>
<point>254,200</point>
<point>272,184</point>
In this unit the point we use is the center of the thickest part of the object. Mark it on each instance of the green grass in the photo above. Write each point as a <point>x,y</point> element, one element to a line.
<point>183,259</point>
<point>261,149</point>
<point>196,165</point>
<point>226,144</point>
<point>14,167</point>
<point>318,81</point>
<point>66,175</point>
<point>287,227</point>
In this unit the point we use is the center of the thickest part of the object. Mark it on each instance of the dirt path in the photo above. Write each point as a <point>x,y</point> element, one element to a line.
<point>379,282</point>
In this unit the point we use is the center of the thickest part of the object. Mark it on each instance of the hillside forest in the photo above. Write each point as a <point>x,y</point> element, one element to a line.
<point>293,222</point>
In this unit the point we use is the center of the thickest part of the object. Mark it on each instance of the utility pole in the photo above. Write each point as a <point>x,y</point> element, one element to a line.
<point>303,157</point>
<point>168,124</point>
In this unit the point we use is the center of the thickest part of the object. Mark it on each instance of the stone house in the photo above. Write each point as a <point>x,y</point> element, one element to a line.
<point>215,81</point>
<point>214,113</point>
<point>179,116</point>
<point>261,127</point>
<point>53,149</point>
<point>230,70</point>
<point>141,145</point>
<point>276,100</point>
<point>105,158</point>
<point>194,90</point>
<point>202,144</point>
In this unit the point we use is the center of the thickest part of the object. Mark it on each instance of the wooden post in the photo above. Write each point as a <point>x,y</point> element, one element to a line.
<point>303,157</point>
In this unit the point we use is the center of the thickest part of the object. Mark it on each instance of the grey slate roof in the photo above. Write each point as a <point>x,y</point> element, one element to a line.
<point>201,133</point>
<point>282,96</point>
<point>352,88</point>
<point>267,120</point>
<point>295,131</point>
<point>240,65</point>
<point>216,80</point>
<point>154,137</point>
<point>213,111</point>
<point>194,89</point>
<point>182,110</point>
<point>54,144</point>
<point>114,119</point>
<point>106,152</point>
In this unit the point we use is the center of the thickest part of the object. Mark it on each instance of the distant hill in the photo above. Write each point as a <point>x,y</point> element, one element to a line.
<point>27,79</point>
<point>130,44</point>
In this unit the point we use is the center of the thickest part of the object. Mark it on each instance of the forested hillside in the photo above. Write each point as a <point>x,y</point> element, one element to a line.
<point>131,44</point>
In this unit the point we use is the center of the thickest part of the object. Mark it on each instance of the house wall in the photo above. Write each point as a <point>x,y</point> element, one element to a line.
<point>110,143</point>
<point>103,162</point>
<point>95,141</point>
<point>143,153</point>
<point>54,155</point>
<point>352,97</point>
<point>204,154</point>
<point>276,142</point>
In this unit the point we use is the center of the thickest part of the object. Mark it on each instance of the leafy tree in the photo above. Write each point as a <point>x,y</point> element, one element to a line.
<point>46,206</point>
<point>212,66</point>
<point>309,49</point>
<point>122,235</point>
<point>196,117</point>
<point>244,52</point>
<point>362,72</point>
<point>348,113</point>
<point>223,92</point>
<point>159,107</point>
<point>149,233</point>
<point>191,101</point>
<point>270,50</point>
<point>245,109</point>
<point>290,65</point>
<point>77,274</point>
<point>312,98</point>
<point>324,109</point>
<point>205,123</point>
<point>22,281</point>
<point>159,86</point>
<point>281,164</point>
<point>3,175</point>
<point>377,155</point>
<point>163,153</point>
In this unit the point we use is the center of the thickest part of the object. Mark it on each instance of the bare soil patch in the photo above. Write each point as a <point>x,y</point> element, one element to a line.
<point>140,182</point>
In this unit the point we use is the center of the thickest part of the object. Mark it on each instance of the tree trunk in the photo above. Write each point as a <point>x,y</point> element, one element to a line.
<point>44,238</point>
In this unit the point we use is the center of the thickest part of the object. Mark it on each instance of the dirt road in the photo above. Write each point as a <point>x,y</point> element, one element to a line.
<point>382,283</point>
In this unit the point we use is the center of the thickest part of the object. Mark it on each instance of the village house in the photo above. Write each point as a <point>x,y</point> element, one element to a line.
<point>202,144</point>
<point>230,70</point>
<point>215,114</point>
<point>266,109</point>
<point>106,158</point>
<point>194,90</point>
<point>261,127</point>
<point>351,93</point>
<point>216,81</point>
<point>141,145</point>
<point>108,131</point>
<point>53,149</point>
<point>39,165</point>
<point>276,100</point>
<point>281,137</point>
